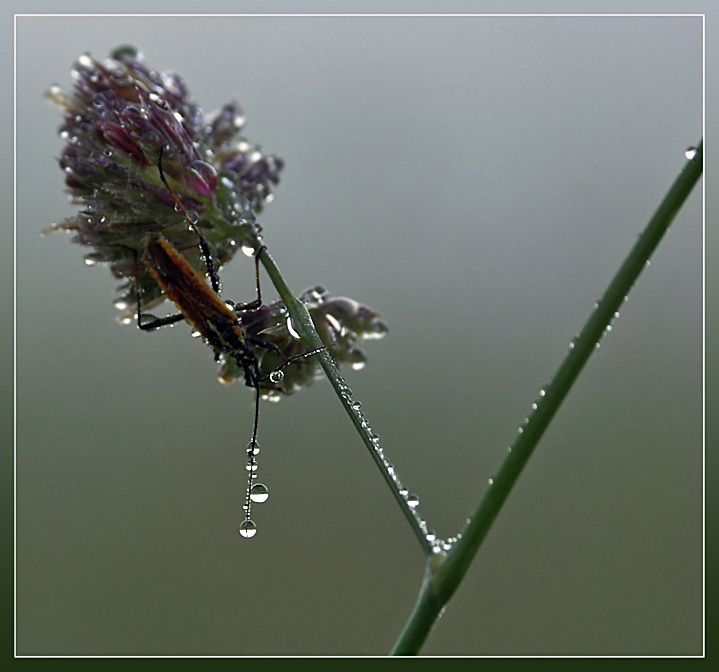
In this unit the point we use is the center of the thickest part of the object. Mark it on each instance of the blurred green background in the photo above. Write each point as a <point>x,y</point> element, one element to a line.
<point>478,181</point>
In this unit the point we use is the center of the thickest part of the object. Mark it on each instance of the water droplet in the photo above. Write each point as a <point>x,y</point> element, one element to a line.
<point>247,529</point>
<point>251,467</point>
<point>277,376</point>
<point>490,481</point>
<point>253,449</point>
<point>412,501</point>
<point>291,328</point>
<point>690,152</point>
<point>259,493</point>
<point>126,52</point>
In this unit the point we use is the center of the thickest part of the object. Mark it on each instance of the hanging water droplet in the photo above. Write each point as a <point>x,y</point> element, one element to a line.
<point>253,448</point>
<point>690,152</point>
<point>247,529</point>
<point>490,481</point>
<point>251,467</point>
<point>277,376</point>
<point>412,501</point>
<point>259,493</point>
<point>358,359</point>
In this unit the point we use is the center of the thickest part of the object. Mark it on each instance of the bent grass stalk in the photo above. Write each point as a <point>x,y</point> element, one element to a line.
<point>302,323</point>
<point>447,561</point>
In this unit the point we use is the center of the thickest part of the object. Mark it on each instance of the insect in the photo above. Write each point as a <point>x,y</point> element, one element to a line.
<point>217,321</point>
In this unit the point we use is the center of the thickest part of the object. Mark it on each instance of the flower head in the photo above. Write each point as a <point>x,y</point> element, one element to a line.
<point>340,322</point>
<point>117,119</point>
<point>143,162</point>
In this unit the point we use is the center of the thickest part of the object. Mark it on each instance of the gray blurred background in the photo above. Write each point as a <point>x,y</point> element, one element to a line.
<point>478,181</point>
